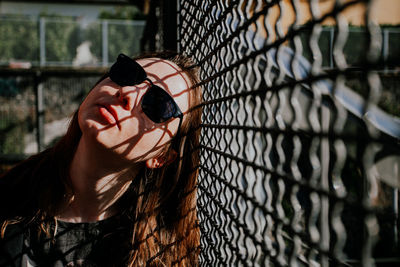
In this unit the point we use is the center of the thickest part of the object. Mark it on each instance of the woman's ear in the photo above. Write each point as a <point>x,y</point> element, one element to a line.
<point>161,160</point>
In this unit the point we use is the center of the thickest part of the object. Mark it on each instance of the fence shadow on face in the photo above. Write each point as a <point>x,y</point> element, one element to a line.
<point>176,84</point>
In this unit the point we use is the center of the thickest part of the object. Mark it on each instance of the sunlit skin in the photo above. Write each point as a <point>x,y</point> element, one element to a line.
<point>118,139</point>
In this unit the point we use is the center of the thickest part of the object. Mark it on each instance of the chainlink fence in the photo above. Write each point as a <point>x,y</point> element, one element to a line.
<point>300,136</point>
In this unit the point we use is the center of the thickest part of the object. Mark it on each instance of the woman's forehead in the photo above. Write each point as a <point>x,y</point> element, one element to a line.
<point>150,63</point>
<point>165,73</point>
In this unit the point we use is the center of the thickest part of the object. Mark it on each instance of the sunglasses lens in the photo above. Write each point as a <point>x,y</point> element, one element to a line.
<point>158,105</point>
<point>126,71</point>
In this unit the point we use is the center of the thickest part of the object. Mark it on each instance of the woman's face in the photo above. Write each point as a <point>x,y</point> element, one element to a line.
<point>111,117</point>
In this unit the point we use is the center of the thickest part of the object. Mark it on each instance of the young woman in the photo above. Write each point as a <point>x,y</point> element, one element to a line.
<point>119,189</point>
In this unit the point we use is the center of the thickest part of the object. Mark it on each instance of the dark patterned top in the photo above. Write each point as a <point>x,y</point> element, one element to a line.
<point>102,243</point>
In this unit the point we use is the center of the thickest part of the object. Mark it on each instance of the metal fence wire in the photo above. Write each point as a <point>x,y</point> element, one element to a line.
<point>299,159</point>
<point>61,41</point>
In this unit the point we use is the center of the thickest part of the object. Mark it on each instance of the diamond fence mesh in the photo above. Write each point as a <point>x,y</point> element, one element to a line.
<point>300,140</point>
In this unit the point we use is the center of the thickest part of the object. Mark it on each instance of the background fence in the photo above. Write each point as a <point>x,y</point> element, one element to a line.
<point>65,42</point>
<point>299,151</point>
<point>354,46</point>
<point>36,106</point>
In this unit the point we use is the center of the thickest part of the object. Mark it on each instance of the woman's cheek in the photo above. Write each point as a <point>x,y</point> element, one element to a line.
<point>130,128</point>
<point>151,144</point>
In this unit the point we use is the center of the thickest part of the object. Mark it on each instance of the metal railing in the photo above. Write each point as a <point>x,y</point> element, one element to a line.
<point>390,39</point>
<point>36,106</point>
<point>67,42</point>
<point>299,163</point>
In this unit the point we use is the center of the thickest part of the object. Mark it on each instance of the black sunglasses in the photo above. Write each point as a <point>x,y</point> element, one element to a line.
<point>157,104</point>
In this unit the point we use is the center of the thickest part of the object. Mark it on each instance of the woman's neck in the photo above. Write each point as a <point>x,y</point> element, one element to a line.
<point>97,184</point>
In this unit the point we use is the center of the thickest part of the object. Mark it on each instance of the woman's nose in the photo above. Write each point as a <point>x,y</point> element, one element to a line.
<point>125,95</point>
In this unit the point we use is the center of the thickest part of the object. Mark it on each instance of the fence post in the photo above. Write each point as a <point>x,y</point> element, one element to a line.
<point>385,48</point>
<point>169,24</point>
<point>325,159</point>
<point>178,19</point>
<point>39,110</point>
<point>104,39</point>
<point>396,208</point>
<point>42,41</point>
<point>331,37</point>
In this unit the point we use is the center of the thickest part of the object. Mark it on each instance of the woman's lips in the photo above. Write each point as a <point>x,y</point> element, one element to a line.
<point>109,114</point>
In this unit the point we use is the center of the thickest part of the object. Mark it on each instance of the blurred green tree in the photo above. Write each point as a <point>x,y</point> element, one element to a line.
<point>19,39</point>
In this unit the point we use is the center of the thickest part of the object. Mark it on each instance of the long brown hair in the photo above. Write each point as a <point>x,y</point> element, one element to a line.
<point>161,203</point>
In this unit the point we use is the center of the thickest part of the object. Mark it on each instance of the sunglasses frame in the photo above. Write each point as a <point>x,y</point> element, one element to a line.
<point>121,73</point>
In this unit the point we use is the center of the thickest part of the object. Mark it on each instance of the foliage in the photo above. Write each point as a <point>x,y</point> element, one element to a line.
<point>20,37</point>
<point>123,13</point>
<point>19,40</point>
<point>122,38</point>
<point>16,114</point>
<point>128,37</point>
<point>62,38</point>
<point>94,34</point>
<point>12,136</point>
